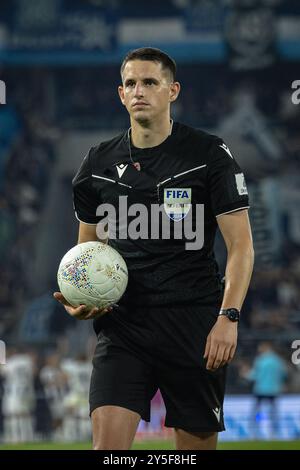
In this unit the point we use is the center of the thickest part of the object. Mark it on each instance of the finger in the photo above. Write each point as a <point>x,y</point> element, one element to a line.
<point>225,357</point>
<point>104,311</point>
<point>95,312</point>
<point>231,353</point>
<point>60,298</point>
<point>218,358</point>
<point>81,315</point>
<point>76,311</point>
<point>212,355</point>
<point>207,347</point>
<point>92,313</point>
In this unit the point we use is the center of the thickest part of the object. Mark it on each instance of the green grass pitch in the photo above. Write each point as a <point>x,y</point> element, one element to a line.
<point>158,445</point>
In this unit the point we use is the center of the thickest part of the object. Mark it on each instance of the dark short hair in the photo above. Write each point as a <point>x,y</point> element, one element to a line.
<point>151,54</point>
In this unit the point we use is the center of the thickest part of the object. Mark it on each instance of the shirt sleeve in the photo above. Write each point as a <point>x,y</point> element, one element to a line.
<point>227,185</point>
<point>85,199</point>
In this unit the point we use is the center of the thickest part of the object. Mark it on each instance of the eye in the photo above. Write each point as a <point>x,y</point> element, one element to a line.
<point>149,81</point>
<point>130,83</point>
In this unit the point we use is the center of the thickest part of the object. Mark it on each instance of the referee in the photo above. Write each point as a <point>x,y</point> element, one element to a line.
<point>174,329</point>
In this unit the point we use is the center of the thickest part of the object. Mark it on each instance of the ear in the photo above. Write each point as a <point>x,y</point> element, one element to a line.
<point>174,91</point>
<point>121,94</point>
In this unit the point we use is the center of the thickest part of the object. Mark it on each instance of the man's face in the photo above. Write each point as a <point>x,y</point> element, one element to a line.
<point>147,90</point>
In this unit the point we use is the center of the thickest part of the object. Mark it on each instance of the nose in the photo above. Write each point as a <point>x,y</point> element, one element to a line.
<point>139,90</point>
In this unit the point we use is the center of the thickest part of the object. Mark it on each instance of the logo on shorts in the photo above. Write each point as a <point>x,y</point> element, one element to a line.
<point>217,413</point>
<point>177,202</point>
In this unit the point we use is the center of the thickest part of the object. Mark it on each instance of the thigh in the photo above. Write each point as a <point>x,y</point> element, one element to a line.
<point>121,379</point>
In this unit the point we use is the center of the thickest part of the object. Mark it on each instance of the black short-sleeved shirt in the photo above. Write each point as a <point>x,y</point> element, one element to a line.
<point>189,168</point>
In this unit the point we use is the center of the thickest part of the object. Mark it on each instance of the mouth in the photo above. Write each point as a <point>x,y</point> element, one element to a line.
<point>139,104</point>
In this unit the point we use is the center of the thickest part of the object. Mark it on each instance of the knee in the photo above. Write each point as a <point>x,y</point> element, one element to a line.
<point>197,435</point>
<point>110,444</point>
<point>195,440</point>
<point>100,446</point>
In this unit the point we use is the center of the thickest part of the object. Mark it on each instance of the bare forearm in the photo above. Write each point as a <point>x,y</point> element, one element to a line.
<point>222,339</point>
<point>89,233</point>
<point>238,273</point>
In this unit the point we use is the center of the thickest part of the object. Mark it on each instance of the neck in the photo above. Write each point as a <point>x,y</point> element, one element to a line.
<point>150,134</point>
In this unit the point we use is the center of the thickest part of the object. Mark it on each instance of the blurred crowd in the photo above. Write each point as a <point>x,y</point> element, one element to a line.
<point>44,397</point>
<point>27,156</point>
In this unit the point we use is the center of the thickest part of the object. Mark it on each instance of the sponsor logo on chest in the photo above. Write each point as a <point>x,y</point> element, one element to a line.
<point>177,202</point>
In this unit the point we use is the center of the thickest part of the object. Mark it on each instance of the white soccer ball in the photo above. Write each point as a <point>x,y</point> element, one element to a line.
<point>92,273</point>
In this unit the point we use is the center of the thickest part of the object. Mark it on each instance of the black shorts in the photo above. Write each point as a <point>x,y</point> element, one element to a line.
<point>142,349</point>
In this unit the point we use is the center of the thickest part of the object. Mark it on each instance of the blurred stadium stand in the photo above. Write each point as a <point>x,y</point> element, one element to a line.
<point>60,62</point>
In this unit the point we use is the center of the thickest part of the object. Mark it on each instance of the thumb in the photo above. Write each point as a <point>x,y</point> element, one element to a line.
<point>60,298</point>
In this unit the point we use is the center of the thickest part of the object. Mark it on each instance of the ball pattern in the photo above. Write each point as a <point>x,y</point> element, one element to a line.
<point>93,274</point>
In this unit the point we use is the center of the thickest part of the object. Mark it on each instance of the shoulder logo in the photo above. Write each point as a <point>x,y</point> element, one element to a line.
<point>224,147</point>
<point>120,169</point>
<point>217,413</point>
<point>241,184</point>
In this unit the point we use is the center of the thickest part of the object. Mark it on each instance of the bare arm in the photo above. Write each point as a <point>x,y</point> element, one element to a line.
<point>87,233</point>
<point>222,340</point>
<point>236,231</point>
